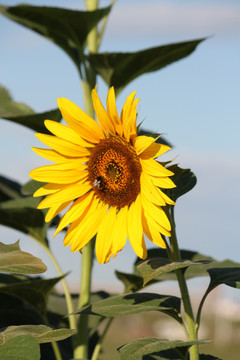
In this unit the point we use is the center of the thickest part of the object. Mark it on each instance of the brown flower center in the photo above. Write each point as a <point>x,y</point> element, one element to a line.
<point>114,171</point>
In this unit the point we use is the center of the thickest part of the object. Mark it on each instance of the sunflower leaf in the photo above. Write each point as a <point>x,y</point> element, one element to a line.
<point>184,179</point>
<point>41,333</point>
<point>20,347</point>
<point>9,189</point>
<point>66,28</point>
<point>36,121</point>
<point>119,69</point>
<point>202,263</point>
<point>34,292</point>
<point>136,349</point>
<point>21,214</point>
<point>8,107</point>
<point>129,304</point>
<point>153,268</point>
<point>15,261</point>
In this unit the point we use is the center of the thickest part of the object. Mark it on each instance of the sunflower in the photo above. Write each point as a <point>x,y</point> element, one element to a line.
<point>107,176</point>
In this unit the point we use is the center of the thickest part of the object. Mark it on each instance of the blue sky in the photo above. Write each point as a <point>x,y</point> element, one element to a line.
<point>195,102</point>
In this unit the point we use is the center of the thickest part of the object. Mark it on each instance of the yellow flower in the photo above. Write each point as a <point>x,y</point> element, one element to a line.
<point>109,176</point>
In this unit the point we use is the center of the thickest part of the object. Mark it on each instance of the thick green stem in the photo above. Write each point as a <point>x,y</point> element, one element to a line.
<point>88,82</point>
<point>81,349</point>
<point>175,254</point>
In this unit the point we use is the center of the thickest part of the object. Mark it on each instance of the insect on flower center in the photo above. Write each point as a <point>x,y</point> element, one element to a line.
<point>114,171</point>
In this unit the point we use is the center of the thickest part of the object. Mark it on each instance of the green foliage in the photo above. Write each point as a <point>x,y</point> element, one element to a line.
<point>20,212</point>
<point>15,261</point>
<point>119,69</point>
<point>66,28</point>
<point>34,292</point>
<point>22,347</point>
<point>129,304</point>
<point>138,348</point>
<point>153,268</point>
<point>184,179</point>
<point>21,114</point>
<point>10,108</point>
<point>41,333</point>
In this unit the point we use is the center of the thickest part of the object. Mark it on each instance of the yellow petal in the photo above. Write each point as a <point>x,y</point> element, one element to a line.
<point>125,115</point>
<point>163,182</point>
<point>154,168</point>
<point>55,210</point>
<point>48,189</point>
<point>166,198</point>
<point>119,235</point>
<point>156,225</point>
<point>68,193</point>
<point>156,213</point>
<point>86,229</point>
<point>102,116</point>
<point>154,150</point>
<point>65,132</point>
<point>77,119</point>
<point>112,111</point>
<point>75,227</point>
<point>134,228</point>
<point>104,236</point>
<point>79,207</point>
<point>152,233</point>
<point>50,154</point>
<point>142,142</point>
<point>65,173</point>
<point>150,191</point>
<point>63,146</point>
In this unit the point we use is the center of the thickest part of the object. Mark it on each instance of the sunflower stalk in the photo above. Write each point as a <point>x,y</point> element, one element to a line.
<point>88,83</point>
<point>175,256</point>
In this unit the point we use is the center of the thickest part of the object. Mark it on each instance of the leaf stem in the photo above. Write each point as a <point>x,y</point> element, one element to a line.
<point>100,341</point>
<point>56,350</point>
<point>175,256</point>
<point>68,297</point>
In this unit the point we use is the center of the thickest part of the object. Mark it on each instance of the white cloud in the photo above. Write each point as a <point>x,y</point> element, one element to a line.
<point>174,18</point>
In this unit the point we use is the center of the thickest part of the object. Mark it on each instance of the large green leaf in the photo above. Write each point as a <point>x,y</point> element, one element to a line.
<point>131,282</point>
<point>21,114</point>
<point>66,28</point>
<point>8,107</point>
<point>153,268</point>
<point>23,347</point>
<point>22,214</point>
<point>129,304</point>
<point>34,292</point>
<point>138,348</point>
<point>41,333</point>
<point>15,261</point>
<point>201,263</point>
<point>119,69</point>
<point>36,121</point>
<point>184,179</point>
<point>9,189</point>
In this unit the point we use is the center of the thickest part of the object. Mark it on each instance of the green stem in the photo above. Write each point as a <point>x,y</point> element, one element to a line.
<point>175,256</point>
<point>88,82</point>
<point>98,346</point>
<point>56,350</point>
<point>69,303</point>
<point>81,350</point>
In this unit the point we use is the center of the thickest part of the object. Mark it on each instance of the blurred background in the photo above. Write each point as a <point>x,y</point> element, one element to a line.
<point>193,102</point>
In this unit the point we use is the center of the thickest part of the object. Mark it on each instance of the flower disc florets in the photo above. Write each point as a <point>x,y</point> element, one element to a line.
<point>114,171</point>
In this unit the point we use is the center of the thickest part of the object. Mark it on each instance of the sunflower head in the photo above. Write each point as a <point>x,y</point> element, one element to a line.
<point>106,176</point>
